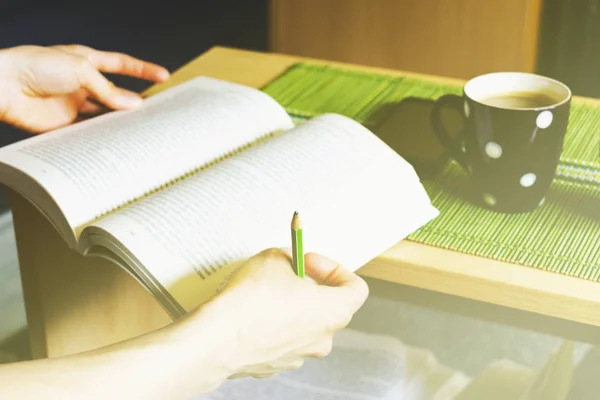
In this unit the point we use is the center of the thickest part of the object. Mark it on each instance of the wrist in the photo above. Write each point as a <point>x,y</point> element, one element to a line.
<point>210,333</point>
<point>203,344</point>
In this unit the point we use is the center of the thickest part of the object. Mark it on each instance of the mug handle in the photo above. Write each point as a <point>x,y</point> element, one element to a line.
<point>452,146</point>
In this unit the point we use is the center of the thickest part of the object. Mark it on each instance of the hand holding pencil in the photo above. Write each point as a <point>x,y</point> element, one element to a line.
<point>278,320</point>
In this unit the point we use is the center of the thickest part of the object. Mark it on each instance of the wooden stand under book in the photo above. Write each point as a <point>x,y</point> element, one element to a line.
<point>75,303</point>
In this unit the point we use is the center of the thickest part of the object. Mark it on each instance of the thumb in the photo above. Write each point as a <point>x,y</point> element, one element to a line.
<point>103,90</point>
<point>325,271</point>
<point>341,281</point>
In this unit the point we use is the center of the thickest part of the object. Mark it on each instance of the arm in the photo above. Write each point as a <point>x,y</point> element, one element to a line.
<point>263,321</point>
<point>155,366</point>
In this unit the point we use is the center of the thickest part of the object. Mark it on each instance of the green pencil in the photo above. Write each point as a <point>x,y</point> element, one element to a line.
<point>297,250</point>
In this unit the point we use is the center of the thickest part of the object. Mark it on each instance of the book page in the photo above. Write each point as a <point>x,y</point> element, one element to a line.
<point>355,195</point>
<point>95,166</point>
<point>361,366</point>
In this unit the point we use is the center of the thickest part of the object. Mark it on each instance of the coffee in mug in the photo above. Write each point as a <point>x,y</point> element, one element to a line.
<point>519,100</point>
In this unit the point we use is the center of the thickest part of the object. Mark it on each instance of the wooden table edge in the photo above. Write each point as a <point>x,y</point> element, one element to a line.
<point>415,264</point>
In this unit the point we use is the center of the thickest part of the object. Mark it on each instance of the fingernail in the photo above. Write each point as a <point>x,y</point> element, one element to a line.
<point>128,100</point>
<point>164,75</point>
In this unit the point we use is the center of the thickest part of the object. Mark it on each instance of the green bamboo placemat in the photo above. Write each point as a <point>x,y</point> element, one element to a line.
<point>563,235</point>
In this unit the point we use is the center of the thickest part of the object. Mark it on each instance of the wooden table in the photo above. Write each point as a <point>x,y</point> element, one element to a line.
<point>71,308</point>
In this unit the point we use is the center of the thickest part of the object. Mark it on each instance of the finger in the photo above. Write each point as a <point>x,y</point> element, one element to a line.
<point>319,350</point>
<point>278,258</point>
<point>90,107</point>
<point>350,287</point>
<point>119,63</point>
<point>293,365</point>
<point>328,272</point>
<point>263,376</point>
<point>103,90</point>
<point>123,64</point>
<point>239,376</point>
<point>286,363</point>
<point>257,375</point>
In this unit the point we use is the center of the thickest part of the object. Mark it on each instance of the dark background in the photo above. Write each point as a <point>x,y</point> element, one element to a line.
<point>569,46</point>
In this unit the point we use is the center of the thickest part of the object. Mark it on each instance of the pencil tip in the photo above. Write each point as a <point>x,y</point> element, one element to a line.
<point>296,221</point>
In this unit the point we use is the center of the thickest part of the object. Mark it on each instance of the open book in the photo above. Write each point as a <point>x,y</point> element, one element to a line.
<point>208,173</point>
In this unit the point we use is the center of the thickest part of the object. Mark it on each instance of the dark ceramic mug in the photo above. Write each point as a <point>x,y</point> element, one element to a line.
<point>512,136</point>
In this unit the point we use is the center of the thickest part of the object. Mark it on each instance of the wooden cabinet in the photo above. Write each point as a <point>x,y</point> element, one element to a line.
<point>456,38</point>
